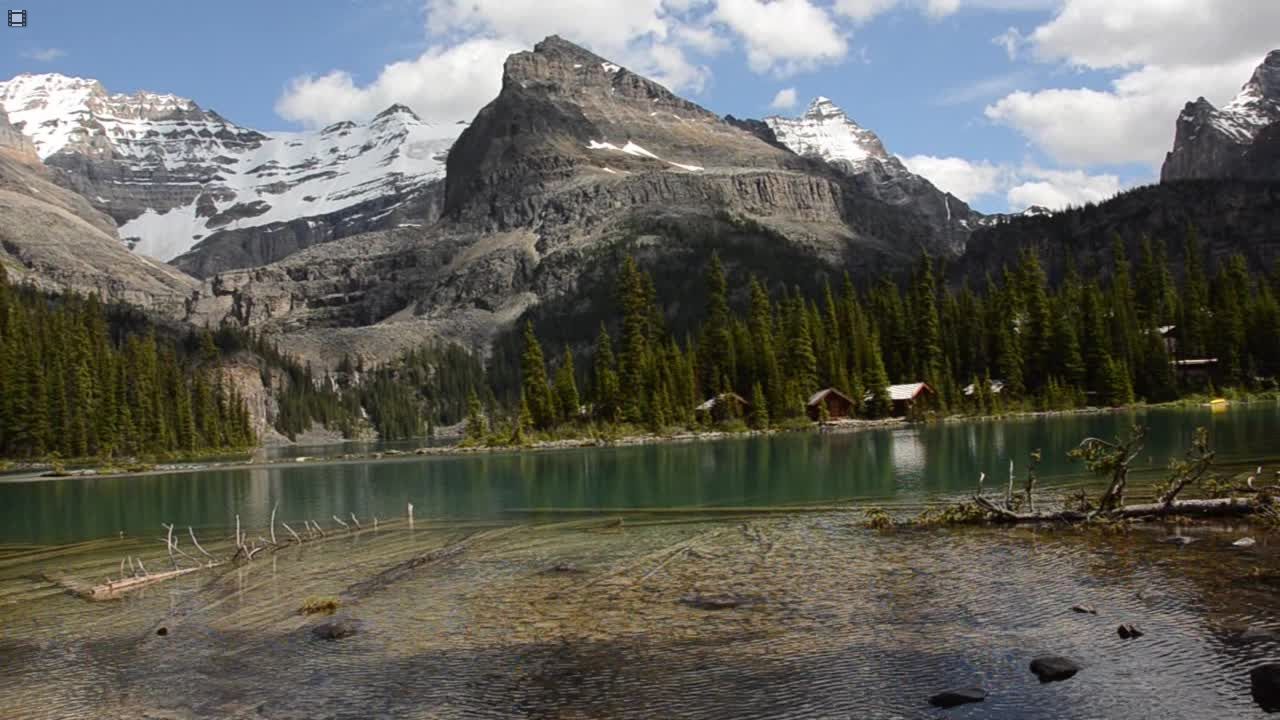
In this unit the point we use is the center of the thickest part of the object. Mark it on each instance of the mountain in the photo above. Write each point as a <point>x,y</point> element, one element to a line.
<point>1229,216</point>
<point>577,162</point>
<point>53,238</point>
<point>188,186</point>
<point>1240,140</point>
<point>827,132</point>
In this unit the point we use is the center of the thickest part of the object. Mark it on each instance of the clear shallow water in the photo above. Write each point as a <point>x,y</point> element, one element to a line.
<point>841,622</point>
<point>890,465</point>
<point>554,609</point>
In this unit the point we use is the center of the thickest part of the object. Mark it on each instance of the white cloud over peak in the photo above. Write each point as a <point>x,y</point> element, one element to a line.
<point>1168,51</point>
<point>471,73</point>
<point>783,36</point>
<point>44,54</point>
<point>784,100</point>
<point>1020,186</point>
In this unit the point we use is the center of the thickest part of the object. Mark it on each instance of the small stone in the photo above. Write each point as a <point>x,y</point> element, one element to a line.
<point>335,630</point>
<point>1178,540</point>
<point>162,631</point>
<point>1264,681</point>
<point>564,567</point>
<point>1050,668</point>
<point>713,602</point>
<point>1128,631</point>
<point>1245,542</point>
<point>1084,609</point>
<point>952,698</point>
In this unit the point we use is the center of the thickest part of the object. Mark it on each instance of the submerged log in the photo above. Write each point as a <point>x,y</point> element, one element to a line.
<point>1218,507</point>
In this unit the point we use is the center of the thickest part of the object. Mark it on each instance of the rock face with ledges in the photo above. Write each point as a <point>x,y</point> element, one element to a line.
<point>827,133</point>
<point>575,158</point>
<point>53,238</point>
<point>1240,140</point>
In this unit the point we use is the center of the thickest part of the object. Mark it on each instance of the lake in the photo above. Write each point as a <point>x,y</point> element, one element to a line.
<point>576,584</point>
<point>902,464</point>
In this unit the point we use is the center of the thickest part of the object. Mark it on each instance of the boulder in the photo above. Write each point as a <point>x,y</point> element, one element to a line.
<point>952,698</point>
<point>1253,633</point>
<point>1245,542</point>
<point>1084,609</point>
<point>1050,668</point>
<point>1265,683</point>
<point>335,630</point>
<point>1128,631</point>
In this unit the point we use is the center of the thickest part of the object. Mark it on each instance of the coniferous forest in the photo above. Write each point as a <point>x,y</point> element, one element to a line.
<point>78,379</point>
<point>1017,342</point>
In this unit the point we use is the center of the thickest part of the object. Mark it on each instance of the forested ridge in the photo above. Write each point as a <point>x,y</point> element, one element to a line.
<point>1097,340</point>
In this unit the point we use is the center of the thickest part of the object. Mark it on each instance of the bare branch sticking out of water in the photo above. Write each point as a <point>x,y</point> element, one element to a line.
<point>340,522</point>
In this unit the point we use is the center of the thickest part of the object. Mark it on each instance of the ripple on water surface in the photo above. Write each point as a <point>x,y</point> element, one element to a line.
<point>584,620</point>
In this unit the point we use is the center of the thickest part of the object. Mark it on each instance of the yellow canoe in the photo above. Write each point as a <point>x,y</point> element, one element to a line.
<point>1217,404</point>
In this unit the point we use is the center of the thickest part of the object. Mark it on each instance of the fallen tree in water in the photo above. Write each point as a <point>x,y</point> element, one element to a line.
<point>1112,459</point>
<point>135,576</point>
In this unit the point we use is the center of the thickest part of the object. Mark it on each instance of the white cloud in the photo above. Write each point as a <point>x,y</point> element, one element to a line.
<point>1011,40</point>
<point>962,178</point>
<point>44,54</point>
<point>863,10</point>
<point>941,8</point>
<point>608,26</point>
<point>783,36</point>
<point>1109,34</point>
<point>1057,189</point>
<point>444,84</point>
<point>784,100</point>
<point>1170,52</point>
<point>1021,186</point>
<point>1133,122</point>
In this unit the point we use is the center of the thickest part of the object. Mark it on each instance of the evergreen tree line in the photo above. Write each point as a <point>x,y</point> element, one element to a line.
<point>425,387</point>
<point>1080,342</point>
<point>78,381</point>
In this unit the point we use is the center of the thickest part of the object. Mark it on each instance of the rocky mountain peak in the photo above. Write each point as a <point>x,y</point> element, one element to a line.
<point>1213,143</point>
<point>398,110</point>
<point>1266,78</point>
<point>826,131</point>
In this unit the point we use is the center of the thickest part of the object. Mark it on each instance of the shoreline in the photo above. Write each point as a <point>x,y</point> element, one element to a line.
<point>36,472</point>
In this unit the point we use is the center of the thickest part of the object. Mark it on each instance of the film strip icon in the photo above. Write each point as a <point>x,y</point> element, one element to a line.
<point>18,18</point>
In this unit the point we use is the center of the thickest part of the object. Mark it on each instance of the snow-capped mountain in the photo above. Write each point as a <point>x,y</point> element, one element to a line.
<point>1216,143</point>
<point>174,175</point>
<point>827,132</point>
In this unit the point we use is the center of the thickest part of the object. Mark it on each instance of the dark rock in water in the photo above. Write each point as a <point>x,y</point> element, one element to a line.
<point>1084,609</point>
<point>1178,540</point>
<point>1265,682</point>
<point>564,567</point>
<point>1053,667</point>
<point>335,630</point>
<point>715,602</point>
<point>162,631</point>
<point>952,698</point>
<point>1128,631</point>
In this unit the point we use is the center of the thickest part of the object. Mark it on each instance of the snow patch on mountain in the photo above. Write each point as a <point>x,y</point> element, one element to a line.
<point>633,149</point>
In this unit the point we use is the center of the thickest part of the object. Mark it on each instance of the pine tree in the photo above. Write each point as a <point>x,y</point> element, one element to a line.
<point>876,381</point>
<point>634,359</point>
<point>605,379</point>
<point>533,373</point>
<point>567,389</point>
<point>759,408</point>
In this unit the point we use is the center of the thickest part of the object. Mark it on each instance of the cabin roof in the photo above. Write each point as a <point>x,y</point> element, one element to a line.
<point>905,391</point>
<point>712,402</point>
<point>817,397</point>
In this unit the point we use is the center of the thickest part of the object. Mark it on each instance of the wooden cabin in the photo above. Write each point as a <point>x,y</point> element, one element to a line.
<point>909,397</point>
<point>724,406</point>
<point>838,404</point>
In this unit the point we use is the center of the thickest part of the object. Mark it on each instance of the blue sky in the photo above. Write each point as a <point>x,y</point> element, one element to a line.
<point>1004,102</point>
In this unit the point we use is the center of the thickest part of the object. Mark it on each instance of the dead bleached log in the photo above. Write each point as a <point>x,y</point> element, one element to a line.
<point>1215,507</point>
